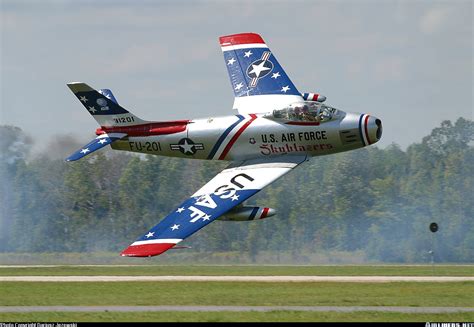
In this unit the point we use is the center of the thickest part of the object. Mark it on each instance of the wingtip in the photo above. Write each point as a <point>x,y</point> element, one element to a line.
<point>146,250</point>
<point>241,38</point>
<point>72,157</point>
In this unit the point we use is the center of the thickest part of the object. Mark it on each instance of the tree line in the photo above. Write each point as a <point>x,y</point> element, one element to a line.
<point>374,201</point>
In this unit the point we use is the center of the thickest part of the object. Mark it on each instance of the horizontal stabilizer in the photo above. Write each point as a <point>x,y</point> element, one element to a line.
<point>96,144</point>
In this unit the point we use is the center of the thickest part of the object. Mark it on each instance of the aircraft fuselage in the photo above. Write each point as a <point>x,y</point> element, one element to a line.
<point>242,137</point>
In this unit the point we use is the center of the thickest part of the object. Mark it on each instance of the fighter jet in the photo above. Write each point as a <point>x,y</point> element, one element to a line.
<point>275,130</point>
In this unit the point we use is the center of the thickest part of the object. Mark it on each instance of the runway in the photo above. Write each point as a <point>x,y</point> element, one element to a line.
<point>212,308</point>
<point>227,265</point>
<point>273,279</point>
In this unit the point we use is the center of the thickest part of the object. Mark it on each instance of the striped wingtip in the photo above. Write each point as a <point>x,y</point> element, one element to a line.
<point>241,38</point>
<point>146,250</point>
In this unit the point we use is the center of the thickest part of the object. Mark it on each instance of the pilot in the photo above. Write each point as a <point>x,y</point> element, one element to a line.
<point>298,113</point>
<point>306,114</point>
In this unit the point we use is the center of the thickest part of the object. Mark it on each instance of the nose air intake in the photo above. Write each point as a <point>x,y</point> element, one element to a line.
<point>378,134</point>
<point>370,128</point>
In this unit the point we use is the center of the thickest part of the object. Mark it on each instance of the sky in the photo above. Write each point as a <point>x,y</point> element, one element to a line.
<point>409,63</point>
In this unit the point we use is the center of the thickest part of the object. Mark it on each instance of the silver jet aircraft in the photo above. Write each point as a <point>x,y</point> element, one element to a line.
<point>276,129</point>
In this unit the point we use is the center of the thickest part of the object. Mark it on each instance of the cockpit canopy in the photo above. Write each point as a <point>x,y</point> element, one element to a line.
<point>307,111</point>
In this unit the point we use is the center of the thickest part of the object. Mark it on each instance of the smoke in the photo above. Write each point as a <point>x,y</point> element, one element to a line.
<point>14,144</point>
<point>60,146</point>
<point>369,205</point>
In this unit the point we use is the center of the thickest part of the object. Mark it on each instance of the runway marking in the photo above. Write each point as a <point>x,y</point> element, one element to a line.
<point>231,308</point>
<point>352,279</point>
<point>230,265</point>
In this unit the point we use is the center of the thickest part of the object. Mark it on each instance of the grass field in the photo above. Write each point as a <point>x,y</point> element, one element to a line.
<point>459,294</point>
<point>280,316</point>
<point>240,270</point>
<point>406,294</point>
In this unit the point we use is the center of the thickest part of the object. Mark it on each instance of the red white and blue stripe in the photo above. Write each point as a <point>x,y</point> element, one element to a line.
<point>313,97</point>
<point>259,213</point>
<point>363,130</point>
<point>230,136</point>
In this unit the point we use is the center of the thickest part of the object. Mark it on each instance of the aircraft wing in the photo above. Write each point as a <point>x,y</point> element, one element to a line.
<point>229,188</point>
<point>259,82</point>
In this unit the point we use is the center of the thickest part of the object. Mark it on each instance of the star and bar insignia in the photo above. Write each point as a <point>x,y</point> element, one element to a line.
<point>187,146</point>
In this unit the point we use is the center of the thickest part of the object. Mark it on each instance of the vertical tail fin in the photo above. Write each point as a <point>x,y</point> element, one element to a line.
<point>103,106</point>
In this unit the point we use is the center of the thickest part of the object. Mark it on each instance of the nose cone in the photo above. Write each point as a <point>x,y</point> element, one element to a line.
<point>372,129</point>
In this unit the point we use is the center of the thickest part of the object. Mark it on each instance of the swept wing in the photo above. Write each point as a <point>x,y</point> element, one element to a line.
<point>259,82</point>
<point>229,188</point>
